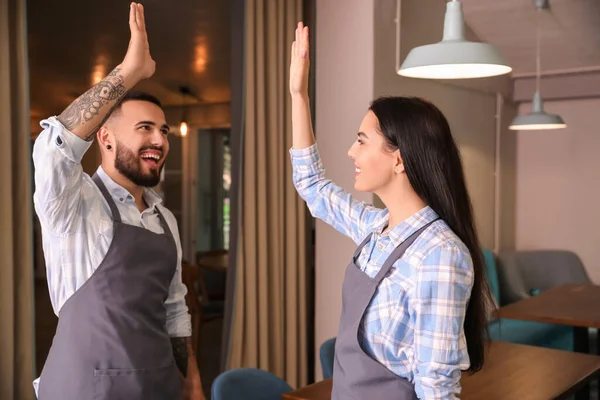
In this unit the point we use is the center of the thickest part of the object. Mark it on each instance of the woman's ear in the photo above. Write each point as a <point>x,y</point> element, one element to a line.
<point>398,164</point>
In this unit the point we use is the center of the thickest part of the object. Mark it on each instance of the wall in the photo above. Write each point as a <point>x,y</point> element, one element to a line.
<point>558,184</point>
<point>344,87</point>
<point>355,62</point>
<point>507,187</point>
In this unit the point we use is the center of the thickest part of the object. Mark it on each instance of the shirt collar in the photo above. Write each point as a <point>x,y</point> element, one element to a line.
<point>119,193</point>
<point>403,230</point>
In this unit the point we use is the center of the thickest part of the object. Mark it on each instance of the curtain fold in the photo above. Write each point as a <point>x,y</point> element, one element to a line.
<point>267,325</point>
<point>16,258</point>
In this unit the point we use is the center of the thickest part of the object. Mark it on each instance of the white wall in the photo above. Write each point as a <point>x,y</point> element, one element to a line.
<point>344,87</point>
<point>558,183</point>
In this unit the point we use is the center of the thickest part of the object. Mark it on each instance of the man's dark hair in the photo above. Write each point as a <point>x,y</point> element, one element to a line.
<point>137,95</point>
<point>130,96</point>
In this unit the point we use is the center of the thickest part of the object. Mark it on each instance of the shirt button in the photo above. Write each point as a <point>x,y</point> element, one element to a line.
<point>121,199</point>
<point>380,246</point>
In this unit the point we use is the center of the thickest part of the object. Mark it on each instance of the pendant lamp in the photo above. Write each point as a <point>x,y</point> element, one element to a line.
<point>454,57</point>
<point>537,119</point>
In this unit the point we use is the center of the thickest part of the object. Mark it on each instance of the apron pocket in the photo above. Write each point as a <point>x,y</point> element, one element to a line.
<point>161,383</point>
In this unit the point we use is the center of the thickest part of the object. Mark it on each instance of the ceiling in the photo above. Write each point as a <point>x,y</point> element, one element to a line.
<point>72,44</point>
<point>570,32</point>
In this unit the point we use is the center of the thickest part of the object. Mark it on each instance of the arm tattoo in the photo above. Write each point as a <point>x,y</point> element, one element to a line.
<point>180,352</point>
<point>88,105</point>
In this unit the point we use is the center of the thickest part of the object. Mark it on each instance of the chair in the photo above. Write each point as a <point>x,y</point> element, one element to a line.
<point>248,384</point>
<point>506,291</point>
<point>211,308</point>
<point>492,274</point>
<point>526,273</point>
<point>189,275</point>
<point>326,355</point>
<point>215,276</point>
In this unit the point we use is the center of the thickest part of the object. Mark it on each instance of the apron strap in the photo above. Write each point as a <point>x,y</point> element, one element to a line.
<point>360,247</point>
<point>115,211</point>
<point>111,203</point>
<point>163,222</point>
<point>399,252</point>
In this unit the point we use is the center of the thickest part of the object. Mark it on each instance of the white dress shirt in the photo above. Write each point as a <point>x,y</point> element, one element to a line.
<point>77,225</point>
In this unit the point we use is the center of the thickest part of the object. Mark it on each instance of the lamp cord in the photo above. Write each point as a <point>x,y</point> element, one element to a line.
<point>538,58</point>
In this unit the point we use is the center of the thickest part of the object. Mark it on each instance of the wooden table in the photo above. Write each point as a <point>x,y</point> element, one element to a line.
<point>218,262</point>
<point>515,371</point>
<point>575,305</point>
<point>512,371</point>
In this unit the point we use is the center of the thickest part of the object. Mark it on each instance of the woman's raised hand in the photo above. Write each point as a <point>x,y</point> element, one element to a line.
<point>300,62</point>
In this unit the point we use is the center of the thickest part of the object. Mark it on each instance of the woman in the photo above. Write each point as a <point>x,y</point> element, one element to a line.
<point>414,309</point>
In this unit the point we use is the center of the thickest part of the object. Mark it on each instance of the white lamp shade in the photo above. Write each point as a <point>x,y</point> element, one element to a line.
<point>537,119</point>
<point>454,57</point>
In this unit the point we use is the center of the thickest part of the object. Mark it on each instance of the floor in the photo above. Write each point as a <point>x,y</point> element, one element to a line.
<point>45,326</point>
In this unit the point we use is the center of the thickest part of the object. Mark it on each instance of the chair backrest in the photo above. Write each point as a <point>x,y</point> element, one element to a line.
<point>211,283</point>
<point>492,274</point>
<point>248,384</point>
<point>327,354</point>
<point>189,275</point>
<point>524,273</point>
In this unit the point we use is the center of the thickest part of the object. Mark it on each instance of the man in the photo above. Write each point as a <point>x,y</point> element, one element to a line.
<point>112,250</point>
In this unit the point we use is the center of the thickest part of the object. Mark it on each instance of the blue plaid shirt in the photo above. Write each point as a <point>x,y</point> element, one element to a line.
<point>414,322</point>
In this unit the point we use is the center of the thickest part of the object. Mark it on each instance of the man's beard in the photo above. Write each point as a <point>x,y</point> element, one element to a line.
<point>129,165</point>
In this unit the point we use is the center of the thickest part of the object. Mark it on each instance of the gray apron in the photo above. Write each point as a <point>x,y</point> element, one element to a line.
<point>111,341</point>
<point>356,375</point>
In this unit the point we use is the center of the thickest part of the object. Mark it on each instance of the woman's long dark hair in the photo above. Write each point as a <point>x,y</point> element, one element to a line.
<point>434,169</point>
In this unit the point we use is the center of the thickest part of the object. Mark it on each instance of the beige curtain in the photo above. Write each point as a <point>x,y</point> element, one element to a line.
<point>16,281</point>
<point>269,321</point>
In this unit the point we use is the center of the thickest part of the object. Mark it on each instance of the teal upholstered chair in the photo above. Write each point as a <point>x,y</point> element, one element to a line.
<point>327,355</point>
<point>524,332</point>
<point>248,384</point>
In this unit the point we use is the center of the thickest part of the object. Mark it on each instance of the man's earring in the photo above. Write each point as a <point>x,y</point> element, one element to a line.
<point>108,147</point>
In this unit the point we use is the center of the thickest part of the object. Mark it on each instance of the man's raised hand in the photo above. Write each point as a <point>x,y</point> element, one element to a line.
<point>138,60</point>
